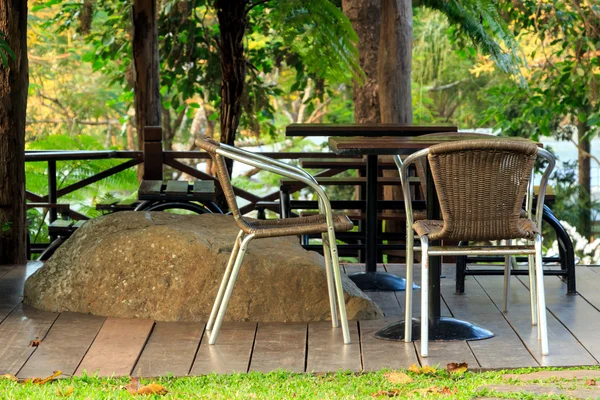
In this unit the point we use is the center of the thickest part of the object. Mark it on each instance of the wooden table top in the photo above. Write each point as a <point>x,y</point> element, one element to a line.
<point>399,145</point>
<point>364,129</point>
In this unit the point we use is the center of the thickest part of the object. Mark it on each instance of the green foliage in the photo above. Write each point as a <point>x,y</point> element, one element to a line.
<point>480,21</point>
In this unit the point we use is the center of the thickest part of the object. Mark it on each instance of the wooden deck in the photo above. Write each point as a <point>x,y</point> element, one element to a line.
<point>74,343</point>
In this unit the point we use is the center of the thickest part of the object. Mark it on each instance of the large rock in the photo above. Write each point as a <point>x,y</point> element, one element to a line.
<point>168,267</point>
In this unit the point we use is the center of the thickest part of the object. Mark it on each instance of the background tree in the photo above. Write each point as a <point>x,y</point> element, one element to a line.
<point>13,105</point>
<point>560,99</point>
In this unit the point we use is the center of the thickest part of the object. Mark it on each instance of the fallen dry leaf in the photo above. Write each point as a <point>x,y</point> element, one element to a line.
<point>397,377</point>
<point>414,368</point>
<point>134,387</point>
<point>387,393</point>
<point>590,382</point>
<point>426,369</point>
<point>457,368</point>
<point>443,391</point>
<point>153,388</point>
<point>35,343</point>
<point>67,391</point>
<point>41,381</point>
<point>9,377</point>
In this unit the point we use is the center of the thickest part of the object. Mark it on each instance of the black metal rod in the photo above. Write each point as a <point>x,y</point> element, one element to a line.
<point>52,189</point>
<point>435,262</point>
<point>371,215</point>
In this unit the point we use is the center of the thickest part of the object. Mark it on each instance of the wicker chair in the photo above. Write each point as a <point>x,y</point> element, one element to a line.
<point>481,185</point>
<point>325,223</point>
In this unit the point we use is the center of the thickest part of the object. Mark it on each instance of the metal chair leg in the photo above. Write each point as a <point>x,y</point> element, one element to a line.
<point>410,258</point>
<point>507,264</point>
<point>532,289</point>
<point>229,290</point>
<point>424,296</point>
<point>330,281</point>
<point>338,286</point>
<point>541,296</point>
<point>224,281</point>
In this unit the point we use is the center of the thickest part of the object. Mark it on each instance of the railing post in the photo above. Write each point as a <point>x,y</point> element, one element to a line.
<point>52,199</point>
<point>153,153</point>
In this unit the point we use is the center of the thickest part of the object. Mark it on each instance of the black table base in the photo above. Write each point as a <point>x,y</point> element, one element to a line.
<point>440,329</point>
<point>380,281</point>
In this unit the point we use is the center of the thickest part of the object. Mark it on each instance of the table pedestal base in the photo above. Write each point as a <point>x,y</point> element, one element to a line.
<point>441,329</point>
<point>380,281</point>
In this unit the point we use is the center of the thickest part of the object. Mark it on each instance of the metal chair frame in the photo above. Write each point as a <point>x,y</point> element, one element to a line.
<point>534,253</point>
<point>330,252</point>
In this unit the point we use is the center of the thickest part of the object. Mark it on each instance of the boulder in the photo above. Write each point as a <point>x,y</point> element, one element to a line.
<point>168,267</point>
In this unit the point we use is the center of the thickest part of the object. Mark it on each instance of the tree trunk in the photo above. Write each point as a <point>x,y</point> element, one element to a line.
<point>584,162</point>
<point>233,20</point>
<point>365,16</point>
<point>146,68</point>
<point>395,61</point>
<point>395,98</point>
<point>14,83</point>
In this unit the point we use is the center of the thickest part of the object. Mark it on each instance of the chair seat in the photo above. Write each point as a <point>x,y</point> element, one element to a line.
<point>296,226</point>
<point>433,228</point>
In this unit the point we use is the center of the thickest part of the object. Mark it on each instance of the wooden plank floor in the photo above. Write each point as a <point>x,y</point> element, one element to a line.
<point>74,343</point>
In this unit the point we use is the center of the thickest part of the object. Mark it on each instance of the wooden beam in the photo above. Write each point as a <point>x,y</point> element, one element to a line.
<point>146,66</point>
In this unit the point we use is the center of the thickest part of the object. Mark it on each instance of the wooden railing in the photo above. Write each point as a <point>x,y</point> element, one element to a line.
<point>51,199</point>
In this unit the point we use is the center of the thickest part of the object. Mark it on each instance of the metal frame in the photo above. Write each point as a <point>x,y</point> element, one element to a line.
<point>330,252</point>
<point>534,253</point>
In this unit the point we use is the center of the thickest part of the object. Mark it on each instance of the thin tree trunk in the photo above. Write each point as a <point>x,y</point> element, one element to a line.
<point>395,99</point>
<point>14,83</point>
<point>584,162</point>
<point>233,20</point>
<point>395,61</point>
<point>365,16</point>
<point>146,68</point>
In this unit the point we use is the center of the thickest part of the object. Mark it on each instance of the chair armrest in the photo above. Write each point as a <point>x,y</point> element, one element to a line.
<point>269,161</point>
<point>279,168</point>
<point>539,211</point>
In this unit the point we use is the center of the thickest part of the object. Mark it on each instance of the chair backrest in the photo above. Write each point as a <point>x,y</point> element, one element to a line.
<point>481,185</point>
<point>210,146</point>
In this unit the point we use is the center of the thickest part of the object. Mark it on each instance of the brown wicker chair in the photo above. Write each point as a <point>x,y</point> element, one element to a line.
<point>325,223</point>
<point>481,185</point>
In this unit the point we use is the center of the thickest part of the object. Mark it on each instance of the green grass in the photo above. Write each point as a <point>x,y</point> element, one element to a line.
<point>276,385</point>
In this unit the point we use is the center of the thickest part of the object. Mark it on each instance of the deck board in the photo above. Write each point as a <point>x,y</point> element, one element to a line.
<point>171,349</point>
<point>279,346</point>
<point>505,348</point>
<point>230,354</point>
<point>565,350</point>
<point>64,347</point>
<point>117,347</point>
<point>327,351</point>
<point>73,342</point>
<point>377,353</point>
<point>23,325</point>
<point>588,280</point>
<point>573,311</point>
